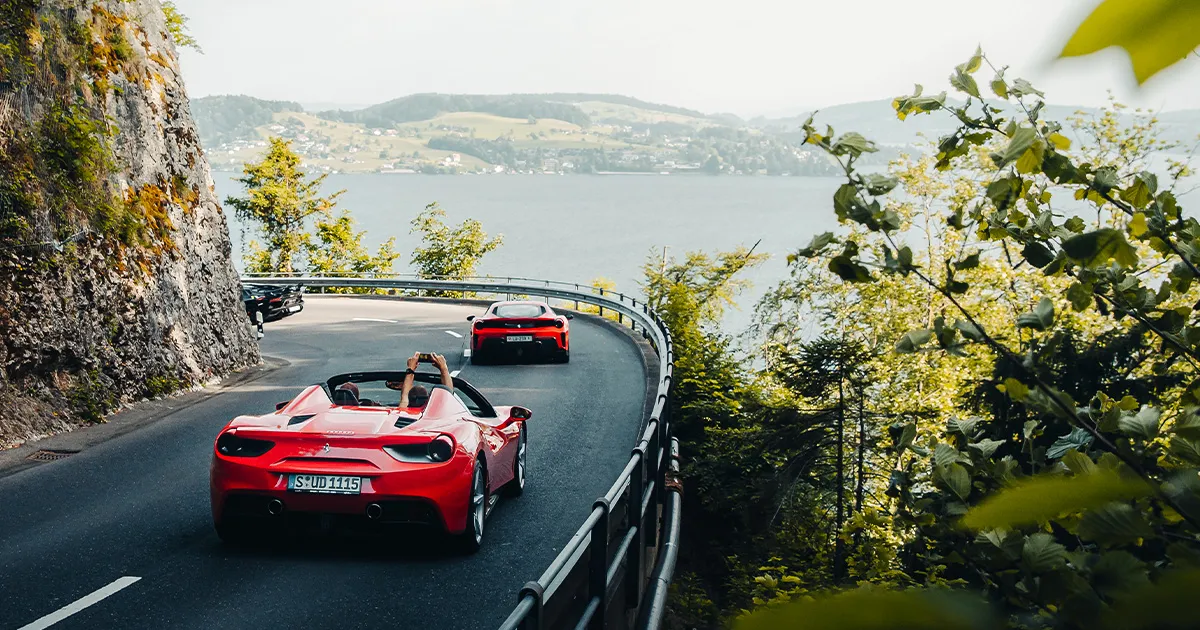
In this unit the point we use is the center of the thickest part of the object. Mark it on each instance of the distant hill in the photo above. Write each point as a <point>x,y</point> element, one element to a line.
<point>428,106</point>
<point>223,119</point>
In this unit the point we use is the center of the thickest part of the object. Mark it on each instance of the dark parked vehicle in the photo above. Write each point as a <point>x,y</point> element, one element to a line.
<point>272,301</point>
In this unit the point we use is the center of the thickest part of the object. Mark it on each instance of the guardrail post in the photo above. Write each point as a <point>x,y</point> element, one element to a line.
<point>601,308</point>
<point>598,569</point>
<point>637,549</point>
<point>534,590</point>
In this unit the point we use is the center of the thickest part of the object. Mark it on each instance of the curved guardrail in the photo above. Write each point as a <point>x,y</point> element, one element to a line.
<point>603,577</point>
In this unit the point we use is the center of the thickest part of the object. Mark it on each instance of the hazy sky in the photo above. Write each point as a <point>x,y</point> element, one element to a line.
<point>743,56</point>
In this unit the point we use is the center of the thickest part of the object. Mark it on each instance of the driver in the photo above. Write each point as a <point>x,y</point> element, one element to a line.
<point>417,395</point>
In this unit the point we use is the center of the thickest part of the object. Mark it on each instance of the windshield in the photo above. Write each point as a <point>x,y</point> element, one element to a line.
<point>519,310</point>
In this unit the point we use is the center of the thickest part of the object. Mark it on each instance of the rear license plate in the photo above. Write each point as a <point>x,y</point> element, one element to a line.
<point>294,309</point>
<point>325,484</point>
<point>519,338</point>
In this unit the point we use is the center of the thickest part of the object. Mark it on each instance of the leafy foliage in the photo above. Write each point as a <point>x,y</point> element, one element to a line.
<point>1155,33</point>
<point>177,27</point>
<point>282,202</point>
<point>449,252</point>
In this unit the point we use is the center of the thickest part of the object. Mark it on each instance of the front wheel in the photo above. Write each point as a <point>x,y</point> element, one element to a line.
<point>472,537</point>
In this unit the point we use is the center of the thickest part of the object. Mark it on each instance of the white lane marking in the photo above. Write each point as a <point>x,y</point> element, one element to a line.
<point>372,319</point>
<point>81,603</point>
<point>455,373</point>
<point>466,353</point>
<point>452,333</point>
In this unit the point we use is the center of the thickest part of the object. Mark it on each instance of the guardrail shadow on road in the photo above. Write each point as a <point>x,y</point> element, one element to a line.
<point>616,569</point>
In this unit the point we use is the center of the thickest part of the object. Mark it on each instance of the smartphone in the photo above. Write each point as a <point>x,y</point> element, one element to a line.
<point>425,357</point>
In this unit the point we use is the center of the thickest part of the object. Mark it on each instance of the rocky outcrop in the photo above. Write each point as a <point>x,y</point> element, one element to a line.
<point>115,274</point>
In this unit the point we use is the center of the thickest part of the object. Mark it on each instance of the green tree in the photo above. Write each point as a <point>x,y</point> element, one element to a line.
<point>338,249</point>
<point>1061,483</point>
<point>280,200</point>
<point>449,252</point>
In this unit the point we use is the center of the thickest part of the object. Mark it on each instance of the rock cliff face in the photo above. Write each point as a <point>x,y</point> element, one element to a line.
<point>115,274</point>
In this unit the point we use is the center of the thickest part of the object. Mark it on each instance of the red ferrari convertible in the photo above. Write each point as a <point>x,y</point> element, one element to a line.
<point>342,452</point>
<point>520,328</point>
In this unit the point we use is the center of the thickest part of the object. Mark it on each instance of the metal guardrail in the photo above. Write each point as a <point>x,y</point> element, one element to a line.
<point>603,577</point>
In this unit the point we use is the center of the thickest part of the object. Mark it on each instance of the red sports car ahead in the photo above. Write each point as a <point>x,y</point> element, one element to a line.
<point>520,328</point>
<point>349,453</point>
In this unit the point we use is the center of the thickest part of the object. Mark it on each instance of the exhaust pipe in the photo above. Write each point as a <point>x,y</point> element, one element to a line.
<point>374,511</point>
<point>275,507</point>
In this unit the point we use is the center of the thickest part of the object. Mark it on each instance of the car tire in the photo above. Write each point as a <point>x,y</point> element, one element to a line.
<point>477,357</point>
<point>516,487</point>
<point>564,356</point>
<point>477,501</point>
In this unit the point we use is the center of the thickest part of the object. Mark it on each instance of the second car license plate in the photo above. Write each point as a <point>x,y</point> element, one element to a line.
<point>513,338</point>
<point>325,484</point>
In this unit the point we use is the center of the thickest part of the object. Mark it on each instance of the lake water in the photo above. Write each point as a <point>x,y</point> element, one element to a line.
<point>577,228</point>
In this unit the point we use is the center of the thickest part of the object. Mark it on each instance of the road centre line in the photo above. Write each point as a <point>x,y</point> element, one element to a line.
<point>372,319</point>
<point>87,600</point>
<point>451,332</point>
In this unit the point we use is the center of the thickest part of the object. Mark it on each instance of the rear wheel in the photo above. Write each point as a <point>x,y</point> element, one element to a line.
<point>517,486</point>
<point>472,537</point>
<point>563,356</point>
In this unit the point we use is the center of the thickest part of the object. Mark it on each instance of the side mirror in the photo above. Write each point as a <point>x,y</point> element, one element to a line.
<point>281,405</point>
<point>470,318</point>
<point>569,316</point>
<point>519,413</point>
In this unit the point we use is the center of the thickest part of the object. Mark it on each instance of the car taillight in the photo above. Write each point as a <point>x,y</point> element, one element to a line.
<point>558,323</point>
<point>478,324</point>
<point>236,446</point>
<point>441,448</point>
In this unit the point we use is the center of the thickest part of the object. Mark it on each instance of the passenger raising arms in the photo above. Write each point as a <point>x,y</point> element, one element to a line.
<point>417,395</point>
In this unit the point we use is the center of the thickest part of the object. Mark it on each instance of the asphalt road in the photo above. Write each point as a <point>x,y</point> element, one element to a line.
<point>137,506</point>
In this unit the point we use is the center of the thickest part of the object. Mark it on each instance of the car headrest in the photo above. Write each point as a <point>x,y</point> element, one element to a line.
<point>344,398</point>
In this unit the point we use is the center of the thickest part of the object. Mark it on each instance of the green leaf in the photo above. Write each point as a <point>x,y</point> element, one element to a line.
<point>1080,296</point>
<point>1117,573</point>
<point>816,245</point>
<point>987,447</point>
<point>1078,463</point>
<point>944,455</point>
<point>1041,318</point>
<point>1037,254</point>
<point>970,262</point>
<point>1185,449</point>
<point>965,83</point>
<point>878,184</point>
<point>907,436</point>
<point>972,64</point>
<point>1022,139</point>
<point>1077,439</point>
<point>999,87</point>
<point>1097,248</point>
<point>1021,87</point>
<point>849,270</point>
<point>854,144</point>
<point>1143,425</point>
<point>957,480</point>
<point>1141,191</point>
<point>1187,425</point>
<point>1041,554</point>
<point>1155,33</point>
<point>913,340</point>
<point>1004,192</point>
<point>968,330</point>
<point>1047,496</point>
<point>1015,389</point>
<point>872,608</point>
<point>1114,524</point>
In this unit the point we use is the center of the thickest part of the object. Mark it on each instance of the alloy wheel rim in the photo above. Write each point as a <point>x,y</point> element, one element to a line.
<point>477,503</point>
<point>521,462</point>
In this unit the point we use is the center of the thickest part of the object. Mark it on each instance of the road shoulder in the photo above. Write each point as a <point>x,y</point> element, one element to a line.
<point>126,420</point>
